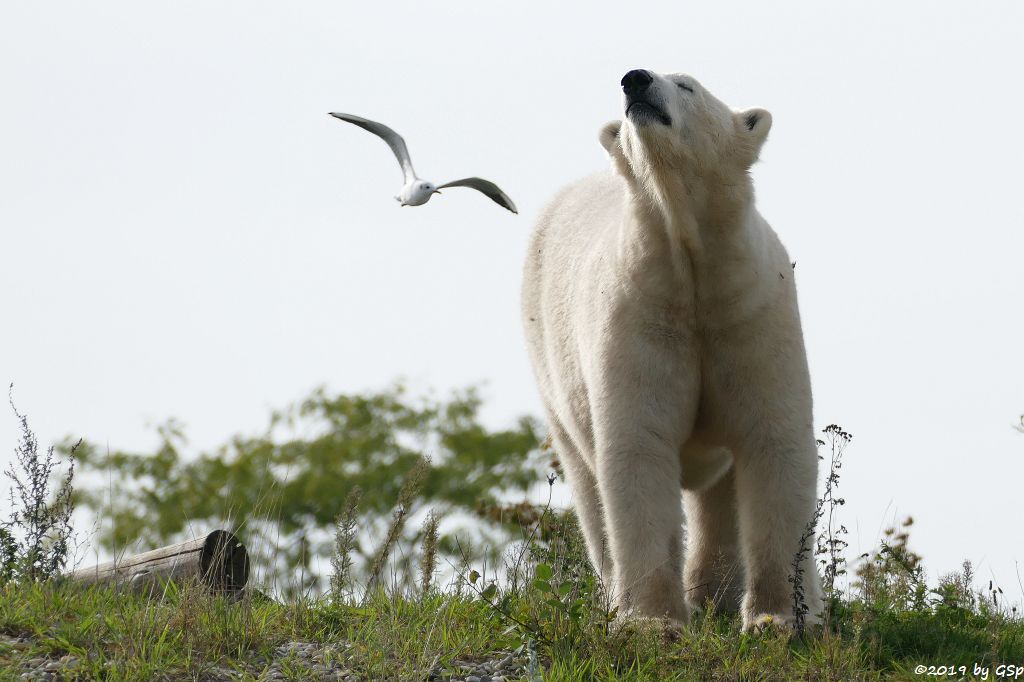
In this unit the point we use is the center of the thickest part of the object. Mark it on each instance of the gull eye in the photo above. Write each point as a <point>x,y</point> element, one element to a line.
<point>684,86</point>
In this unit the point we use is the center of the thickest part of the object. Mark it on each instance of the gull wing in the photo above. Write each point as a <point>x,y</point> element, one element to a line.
<point>487,187</point>
<point>393,139</point>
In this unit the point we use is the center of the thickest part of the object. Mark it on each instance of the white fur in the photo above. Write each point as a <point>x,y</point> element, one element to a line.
<point>662,323</point>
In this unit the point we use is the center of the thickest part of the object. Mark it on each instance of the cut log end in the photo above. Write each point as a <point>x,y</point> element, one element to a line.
<point>218,561</point>
<point>223,562</point>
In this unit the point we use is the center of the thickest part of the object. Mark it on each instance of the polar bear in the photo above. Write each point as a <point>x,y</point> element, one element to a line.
<point>662,325</point>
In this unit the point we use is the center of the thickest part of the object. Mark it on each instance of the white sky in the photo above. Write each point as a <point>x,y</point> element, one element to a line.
<point>185,232</point>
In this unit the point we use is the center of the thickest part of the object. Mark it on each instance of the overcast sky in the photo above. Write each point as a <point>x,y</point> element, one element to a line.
<point>185,232</point>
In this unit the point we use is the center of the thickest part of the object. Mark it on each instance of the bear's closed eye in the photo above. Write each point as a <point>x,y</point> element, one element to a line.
<point>684,86</point>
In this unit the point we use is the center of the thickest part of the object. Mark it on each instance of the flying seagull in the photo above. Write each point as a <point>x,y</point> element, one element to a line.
<point>415,191</point>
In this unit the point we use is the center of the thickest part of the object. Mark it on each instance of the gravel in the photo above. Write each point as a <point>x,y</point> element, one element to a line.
<point>289,661</point>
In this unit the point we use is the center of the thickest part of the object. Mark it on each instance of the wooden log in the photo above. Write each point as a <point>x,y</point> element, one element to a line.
<point>218,560</point>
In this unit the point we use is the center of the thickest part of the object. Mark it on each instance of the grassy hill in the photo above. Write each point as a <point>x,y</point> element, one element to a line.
<point>551,624</point>
<point>542,616</point>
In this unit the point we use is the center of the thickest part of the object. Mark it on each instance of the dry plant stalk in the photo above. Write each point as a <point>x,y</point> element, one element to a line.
<point>406,496</point>
<point>428,560</point>
<point>44,525</point>
<point>344,544</point>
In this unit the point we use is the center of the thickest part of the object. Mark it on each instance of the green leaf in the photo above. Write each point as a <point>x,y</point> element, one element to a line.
<point>543,586</point>
<point>543,572</point>
<point>564,589</point>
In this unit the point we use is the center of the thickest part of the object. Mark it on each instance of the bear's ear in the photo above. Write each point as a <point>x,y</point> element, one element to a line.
<point>752,126</point>
<point>610,136</point>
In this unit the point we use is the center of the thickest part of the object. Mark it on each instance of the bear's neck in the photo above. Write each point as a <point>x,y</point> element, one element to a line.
<point>704,216</point>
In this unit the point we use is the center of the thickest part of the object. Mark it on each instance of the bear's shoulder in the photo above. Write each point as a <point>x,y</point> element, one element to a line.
<point>593,193</point>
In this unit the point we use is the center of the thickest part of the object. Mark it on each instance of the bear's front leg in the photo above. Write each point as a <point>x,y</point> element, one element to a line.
<point>644,515</point>
<point>775,488</point>
<point>644,411</point>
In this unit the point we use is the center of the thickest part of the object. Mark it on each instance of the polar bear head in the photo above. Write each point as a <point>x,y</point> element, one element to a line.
<point>672,124</point>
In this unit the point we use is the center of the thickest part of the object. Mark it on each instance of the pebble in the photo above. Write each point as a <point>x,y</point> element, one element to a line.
<point>312,660</point>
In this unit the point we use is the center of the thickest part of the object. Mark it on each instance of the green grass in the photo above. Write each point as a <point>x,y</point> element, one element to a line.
<point>191,635</point>
<point>126,637</point>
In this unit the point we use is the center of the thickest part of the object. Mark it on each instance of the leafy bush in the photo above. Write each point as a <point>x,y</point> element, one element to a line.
<point>283,489</point>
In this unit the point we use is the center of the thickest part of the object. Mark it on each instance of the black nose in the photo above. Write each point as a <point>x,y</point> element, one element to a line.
<point>636,81</point>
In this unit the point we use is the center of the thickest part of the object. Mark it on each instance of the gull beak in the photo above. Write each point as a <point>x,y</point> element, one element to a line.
<point>436,191</point>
